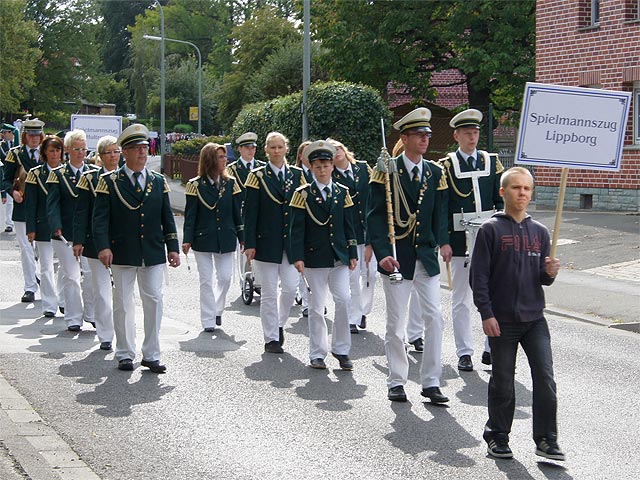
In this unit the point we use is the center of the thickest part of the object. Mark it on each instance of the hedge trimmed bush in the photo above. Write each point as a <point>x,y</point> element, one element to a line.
<point>348,112</point>
<point>193,146</point>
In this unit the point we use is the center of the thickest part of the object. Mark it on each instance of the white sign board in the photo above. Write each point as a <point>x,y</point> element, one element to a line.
<point>96,127</point>
<point>572,127</point>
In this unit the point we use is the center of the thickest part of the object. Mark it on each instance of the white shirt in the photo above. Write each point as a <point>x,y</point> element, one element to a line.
<point>408,164</point>
<point>142,178</point>
<point>249,165</point>
<point>277,170</point>
<point>465,156</point>
<point>322,186</point>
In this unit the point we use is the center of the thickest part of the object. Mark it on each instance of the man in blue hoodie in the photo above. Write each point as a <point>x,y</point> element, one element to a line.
<point>509,266</point>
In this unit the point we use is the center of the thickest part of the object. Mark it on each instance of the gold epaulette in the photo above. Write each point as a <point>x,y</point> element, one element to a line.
<point>31,176</point>
<point>377,176</point>
<point>299,198</point>
<point>442,185</point>
<point>236,186</point>
<point>11,156</point>
<point>252,180</point>
<point>53,178</point>
<point>102,185</point>
<point>348,201</point>
<point>499,166</point>
<point>437,164</point>
<point>192,187</point>
<point>166,185</point>
<point>83,184</point>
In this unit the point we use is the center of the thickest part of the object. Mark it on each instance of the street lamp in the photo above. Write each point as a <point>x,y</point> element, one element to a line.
<point>159,39</point>
<point>162,127</point>
<point>306,70</point>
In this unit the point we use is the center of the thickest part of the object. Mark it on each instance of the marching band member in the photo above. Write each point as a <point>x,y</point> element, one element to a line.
<point>303,163</point>
<point>267,219</point>
<point>212,227</point>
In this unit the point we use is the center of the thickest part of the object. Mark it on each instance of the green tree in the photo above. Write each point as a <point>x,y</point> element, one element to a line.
<point>19,56</point>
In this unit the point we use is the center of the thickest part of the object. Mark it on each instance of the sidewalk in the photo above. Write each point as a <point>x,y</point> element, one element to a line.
<point>600,254</point>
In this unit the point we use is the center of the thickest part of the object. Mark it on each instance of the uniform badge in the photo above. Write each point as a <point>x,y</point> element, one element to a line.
<point>258,174</point>
<point>113,176</point>
<point>90,177</point>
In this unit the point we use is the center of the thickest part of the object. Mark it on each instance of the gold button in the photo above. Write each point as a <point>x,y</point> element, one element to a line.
<point>141,225</point>
<point>417,223</point>
<point>141,236</point>
<point>284,236</point>
<point>142,214</point>
<point>286,213</point>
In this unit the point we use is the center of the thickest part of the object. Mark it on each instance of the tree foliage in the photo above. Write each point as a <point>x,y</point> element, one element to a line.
<point>19,56</point>
<point>347,112</point>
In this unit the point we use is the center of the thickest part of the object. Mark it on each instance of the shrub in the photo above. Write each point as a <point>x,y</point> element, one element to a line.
<point>347,112</point>
<point>182,128</point>
<point>193,146</point>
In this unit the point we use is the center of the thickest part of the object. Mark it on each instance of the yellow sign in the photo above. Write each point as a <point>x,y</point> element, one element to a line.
<point>193,113</point>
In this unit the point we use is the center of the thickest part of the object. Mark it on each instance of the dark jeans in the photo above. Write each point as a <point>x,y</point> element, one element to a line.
<point>535,340</point>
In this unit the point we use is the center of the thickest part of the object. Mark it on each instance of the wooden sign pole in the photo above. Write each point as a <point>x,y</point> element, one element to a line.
<point>556,227</point>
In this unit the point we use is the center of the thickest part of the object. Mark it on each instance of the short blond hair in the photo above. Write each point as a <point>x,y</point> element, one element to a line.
<point>506,176</point>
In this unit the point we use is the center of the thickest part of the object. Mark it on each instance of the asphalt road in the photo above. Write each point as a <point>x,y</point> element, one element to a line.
<point>227,410</point>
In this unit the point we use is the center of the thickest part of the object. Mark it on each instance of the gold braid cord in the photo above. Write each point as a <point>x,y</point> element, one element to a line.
<point>121,198</point>
<point>42,185</point>
<point>399,196</point>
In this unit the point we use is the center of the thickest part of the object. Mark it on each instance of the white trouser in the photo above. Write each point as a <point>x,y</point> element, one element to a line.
<point>88,294</point>
<point>461,304</point>
<point>71,282</point>
<point>428,291</point>
<point>415,325</point>
<point>27,258</point>
<point>8,212</point>
<point>213,300</point>
<point>124,310</point>
<point>336,280</point>
<point>304,294</point>
<point>59,284</point>
<point>47,284</point>
<point>103,299</point>
<point>274,308</point>
<point>361,295</point>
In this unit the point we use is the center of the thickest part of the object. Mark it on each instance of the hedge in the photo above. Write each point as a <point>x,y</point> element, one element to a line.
<point>348,112</point>
<point>193,146</point>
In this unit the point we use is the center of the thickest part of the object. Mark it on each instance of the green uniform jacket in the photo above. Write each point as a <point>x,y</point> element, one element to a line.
<point>238,171</point>
<point>82,231</point>
<point>420,219</point>
<point>62,199</point>
<point>135,226</point>
<point>322,230</point>
<point>359,191</point>
<point>212,220</point>
<point>267,214</point>
<point>4,151</point>
<point>36,203</point>
<point>16,158</point>
<point>461,193</point>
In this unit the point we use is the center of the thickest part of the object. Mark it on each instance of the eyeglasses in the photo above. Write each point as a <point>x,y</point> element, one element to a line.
<point>79,149</point>
<point>420,134</point>
<point>111,152</point>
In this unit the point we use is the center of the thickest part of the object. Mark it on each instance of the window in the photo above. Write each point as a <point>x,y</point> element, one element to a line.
<point>595,12</point>
<point>636,113</point>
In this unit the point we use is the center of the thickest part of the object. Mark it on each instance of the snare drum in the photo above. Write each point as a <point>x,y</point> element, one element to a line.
<point>471,232</point>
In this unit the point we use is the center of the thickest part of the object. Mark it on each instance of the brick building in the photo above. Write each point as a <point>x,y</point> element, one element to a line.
<point>592,43</point>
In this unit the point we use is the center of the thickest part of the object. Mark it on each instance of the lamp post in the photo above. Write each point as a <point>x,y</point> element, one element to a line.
<point>159,39</point>
<point>306,70</point>
<point>162,126</point>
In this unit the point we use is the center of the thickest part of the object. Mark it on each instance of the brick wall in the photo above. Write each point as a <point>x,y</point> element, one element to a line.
<point>571,51</point>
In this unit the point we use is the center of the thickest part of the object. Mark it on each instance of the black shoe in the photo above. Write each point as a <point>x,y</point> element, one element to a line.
<point>281,336</point>
<point>396,394</point>
<point>105,346</point>
<point>305,312</point>
<point>317,363</point>
<point>218,320</point>
<point>125,364</point>
<point>61,310</point>
<point>49,314</point>
<point>345,361</point>
<point>9,229</point>
<point>418,344</point>
<point>486,358</point>
<point>498,447</point>
<point>273,347</point>
<point>465,364</point>
<point>434,394</point>
<point>353,328</point>
<point>548,447</point>
<point>73,328</point>
<point>209,329</point>
<point>93,324</point>
<point>154,365</point>
<point>28,297</point>
<point>363,322</point>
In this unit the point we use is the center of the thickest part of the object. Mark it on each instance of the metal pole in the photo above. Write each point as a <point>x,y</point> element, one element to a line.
<point>162,124</point>
<point>306,70</point>
<point>152,37</point>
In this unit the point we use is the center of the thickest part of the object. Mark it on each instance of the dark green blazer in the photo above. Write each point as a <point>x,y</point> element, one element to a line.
<point>62,199</point>
<point>212,221</point>
<point>17,157</point>
<point>461,192</point>
<point>322,230</point>
<point>238,171</point>
<point>82,229</point>
<point>359,191</point>
<point>267,214</point>
<point>136,226</point>
<point>423,217</point>
<point>36,203</point>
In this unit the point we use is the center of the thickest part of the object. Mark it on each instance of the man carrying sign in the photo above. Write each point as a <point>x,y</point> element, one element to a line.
<point>474,182</point>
